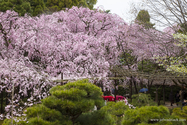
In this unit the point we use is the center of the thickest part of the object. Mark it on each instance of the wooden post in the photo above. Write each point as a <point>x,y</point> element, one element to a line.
<point>62,78</point>
<point>164,97</point>
<point>157,94</point>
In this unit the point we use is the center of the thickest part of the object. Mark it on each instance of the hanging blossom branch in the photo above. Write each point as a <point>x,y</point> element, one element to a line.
<point>28,83</point>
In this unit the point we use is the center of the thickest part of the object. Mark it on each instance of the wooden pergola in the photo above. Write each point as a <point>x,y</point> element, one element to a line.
<point>156,75</point>
<point>161,78</point>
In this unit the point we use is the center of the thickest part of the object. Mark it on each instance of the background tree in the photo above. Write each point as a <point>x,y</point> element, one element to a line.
<point>57,5</point>
<point>169,13</point>
<point>38,7</point>
<point>90,3</point>
<point>19,6</point>
<point>31,7</point>
<point>176,64</point>
<point>143,18</point>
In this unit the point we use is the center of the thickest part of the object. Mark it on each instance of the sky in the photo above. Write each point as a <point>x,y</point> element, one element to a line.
<point>123,8</point>
<point>119,7</point>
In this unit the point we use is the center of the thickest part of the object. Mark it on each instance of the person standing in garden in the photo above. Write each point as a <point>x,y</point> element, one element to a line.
<point>177,97</point>
<point>171,98</point>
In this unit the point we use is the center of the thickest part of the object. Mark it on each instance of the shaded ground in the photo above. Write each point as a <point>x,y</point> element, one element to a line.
<point>168,104</point>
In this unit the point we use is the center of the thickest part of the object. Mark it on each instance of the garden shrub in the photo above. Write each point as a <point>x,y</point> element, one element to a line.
<point>181,113</point>
<point>158,115</point>
<point>142,99</point>
<point>15,122</point>
<point>121,90</point>
<point>116,109</point>
<point>98,117</point>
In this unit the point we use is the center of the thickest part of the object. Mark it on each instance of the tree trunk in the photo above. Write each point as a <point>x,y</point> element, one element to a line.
<point>156,94</point>
<point>141,83</point>
<point>163,87</point>
<point>182,96</point>
<point>159,99</point>
<point>130,96</point>
<point>62,79</point>
<point>12,104</point>
<point>2,101</point>
<point>136,90</point>
<point>141,80</point>
<point>115,93</point>
<point>149,85</point>
<point>163,93</point>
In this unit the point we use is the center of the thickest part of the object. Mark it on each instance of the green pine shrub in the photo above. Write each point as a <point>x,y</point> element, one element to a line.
<point>98,117</point>
<point>142,99</point>
<point>116,109</point>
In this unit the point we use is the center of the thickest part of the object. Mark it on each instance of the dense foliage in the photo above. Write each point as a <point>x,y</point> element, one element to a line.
<point>63,4</point>
<point>143,18</point>
<point>116,109</point>
<point>32,7</point>
<point>37,7</point>
<point>146,115</point>
<point>96,118</point>
<point>181,113</point>
<point>142,99</point>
